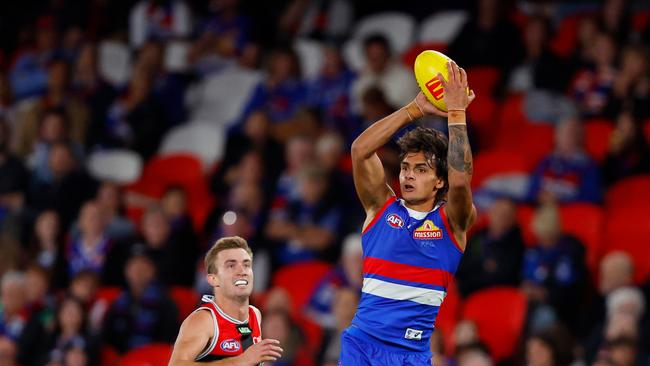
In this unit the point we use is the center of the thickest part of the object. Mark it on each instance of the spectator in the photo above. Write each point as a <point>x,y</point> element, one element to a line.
<point>143,313</point>
<point>494,254</point>
<point>345,301</point>
<point>175,207</point>
<point>69,188</point>
<point>487,38</point>
<point>58,97</point>
<point>8,352</point>
<point>549,347</point>
<point>308,226</point>
<point>13,312</point>
<point>567,174</point>
<point>628,153</point>
<point>14,176</point>
<point>615,18</point>
<point>554,271</point>
<point>282,93</point>
<point>330,92</point>
<point>324,20</point>
<point>592,86</point>
<point>46,246</point>
<point>475,356</point>
<point>109,200</point>
<point>28,73</point>
<point>158,20</point>
<point>278,325</point>
<point>631,89</point>
<point>382,71</point>
<point>90,248</point>
<point>299,152</point>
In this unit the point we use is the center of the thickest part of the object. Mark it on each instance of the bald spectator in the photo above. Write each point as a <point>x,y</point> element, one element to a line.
<point>616,271</point>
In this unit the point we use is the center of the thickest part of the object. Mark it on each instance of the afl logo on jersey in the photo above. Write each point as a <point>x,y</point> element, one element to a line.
<point>230,345</point>
<point>395,221</point>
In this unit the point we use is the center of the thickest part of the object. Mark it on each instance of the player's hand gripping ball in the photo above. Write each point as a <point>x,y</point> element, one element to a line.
<point>427,66</point>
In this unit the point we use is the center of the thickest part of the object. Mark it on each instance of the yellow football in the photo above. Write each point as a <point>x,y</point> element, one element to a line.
<point>427,66</point>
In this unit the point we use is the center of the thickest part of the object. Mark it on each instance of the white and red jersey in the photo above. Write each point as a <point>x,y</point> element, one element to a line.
<point>231,337</point>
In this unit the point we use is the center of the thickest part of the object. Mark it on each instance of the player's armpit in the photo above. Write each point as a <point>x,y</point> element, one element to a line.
<point>194,335</point>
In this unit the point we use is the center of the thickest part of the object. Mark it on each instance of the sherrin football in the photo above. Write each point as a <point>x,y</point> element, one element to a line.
<point>427,66</point>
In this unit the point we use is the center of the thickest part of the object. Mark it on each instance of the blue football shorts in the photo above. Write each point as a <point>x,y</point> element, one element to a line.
<point>357,351</point>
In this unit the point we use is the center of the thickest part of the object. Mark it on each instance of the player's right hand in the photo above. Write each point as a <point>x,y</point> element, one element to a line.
<point>265,350</point>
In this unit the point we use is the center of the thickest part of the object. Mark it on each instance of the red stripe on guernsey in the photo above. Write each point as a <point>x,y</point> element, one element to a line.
<point>406,272</point>
<point>443,215</point>
<point>379,213</point>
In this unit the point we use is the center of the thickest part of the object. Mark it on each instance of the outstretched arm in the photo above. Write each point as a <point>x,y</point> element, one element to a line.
<point>367,170</point>
<point>459,209</point>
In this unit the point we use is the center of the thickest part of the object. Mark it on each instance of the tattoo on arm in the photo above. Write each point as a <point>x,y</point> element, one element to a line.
<point>460,153</point>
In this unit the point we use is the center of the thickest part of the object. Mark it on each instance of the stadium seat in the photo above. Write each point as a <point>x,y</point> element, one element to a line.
<point>156,354</point>
<point>203,140</point>
<point>499,313</point>
<point>628,191</point>
<point>512,112</point>
<point>646,129</point>
<point>597,134</point>
<point>300,279</point>
<point>114,62</point>
<point>566,35</point>
<point>483,80</point>
<point>409,56</point>
<point>441,27</point>
<point>641,20</point>
<point>482,115</point>
<point>400,38</point>
<point>524,218</point>
<point>533,141</point>
<point>108,294</point>
<point>586,222</point>
<point>310,53</point>
<point>119,166</point>
<point>220,98</point>
<point>186,300</point>
<point>109,356</point>
<point>448,317</point>
<point>628,229</point>
<point>499,164</point>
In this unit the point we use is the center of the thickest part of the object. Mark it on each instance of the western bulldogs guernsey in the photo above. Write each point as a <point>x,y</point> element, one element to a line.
<point>409,260</point>
<point>231,336</point>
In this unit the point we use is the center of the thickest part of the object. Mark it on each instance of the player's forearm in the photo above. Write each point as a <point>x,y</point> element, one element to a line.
<point>380,132</point>
<point>459,160</point>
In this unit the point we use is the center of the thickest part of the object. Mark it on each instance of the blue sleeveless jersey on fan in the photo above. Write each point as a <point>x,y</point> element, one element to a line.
<point>408,262</point>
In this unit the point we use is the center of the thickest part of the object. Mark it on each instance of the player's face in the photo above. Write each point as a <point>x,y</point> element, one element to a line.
<point>234,275</point>
<point>418,181</point>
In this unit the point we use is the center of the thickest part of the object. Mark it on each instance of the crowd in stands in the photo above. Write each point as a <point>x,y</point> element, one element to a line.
<point>94,265</point>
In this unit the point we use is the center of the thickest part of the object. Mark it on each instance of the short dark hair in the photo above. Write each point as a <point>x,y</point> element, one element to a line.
<point>433,144</point>
<point>377,39</point>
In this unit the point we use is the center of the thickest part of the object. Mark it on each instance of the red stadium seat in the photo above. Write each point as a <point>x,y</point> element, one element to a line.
<point>448,317</point>
<point>109,356</point>
<point>483,80</point>
<point>597,134</point>
<point>482,115</point>
<point>300,279</point>
<point>524,217</point>
<point>156,354</point>
<point>646,129</point>
<point>629,191</point>
<point>499,313</point>
<point>512,112</point>
<point>534,141</point>
<point>641,20</point>
<point>185,298</point>
<point>489,164</point>
<point>108,294</point>
<point>566,36</point>
<point>586,222</point>
<point>628,229</point>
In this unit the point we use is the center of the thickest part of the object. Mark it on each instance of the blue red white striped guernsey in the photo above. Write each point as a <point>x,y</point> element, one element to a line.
<point>409,258</point>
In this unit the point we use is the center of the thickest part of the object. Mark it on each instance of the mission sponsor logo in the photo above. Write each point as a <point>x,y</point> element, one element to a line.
<point>427,231</point>
<point>395,221</point>
<point>230,345</point>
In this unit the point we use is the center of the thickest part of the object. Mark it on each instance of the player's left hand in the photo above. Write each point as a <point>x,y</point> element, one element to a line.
<point>456,96</point>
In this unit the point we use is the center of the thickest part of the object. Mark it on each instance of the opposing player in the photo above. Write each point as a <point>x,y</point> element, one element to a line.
<point>225,329</point>
<point>411,246</point>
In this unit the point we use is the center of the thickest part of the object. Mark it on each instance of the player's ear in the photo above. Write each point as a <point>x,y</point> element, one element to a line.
<point>440,183</point>
<point>212,279</point>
